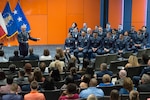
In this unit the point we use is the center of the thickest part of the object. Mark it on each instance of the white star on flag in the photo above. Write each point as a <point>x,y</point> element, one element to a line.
<point>15,12</point>
<point>19,19</point>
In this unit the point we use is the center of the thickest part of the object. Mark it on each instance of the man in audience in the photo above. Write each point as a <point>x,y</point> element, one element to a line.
<point>145,84</point>
<point>2,57</point>
<point>132,32</point>
<point>91,90</point>
<point>103,70</point>
<point>101,33</point>
<point>145,33</point>
<point>32,56</point>
<point>12,70</point>
<point>6,88</point>
<point>34,94</point>
<point>13,95</point>
<point>28,69</point>
<point>16,56</point>
<point>122,75</point>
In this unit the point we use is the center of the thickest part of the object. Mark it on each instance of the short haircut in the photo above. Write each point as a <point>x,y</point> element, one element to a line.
<point>91,97</point>
<point>122,73</point>
<point>106,78</point>
<point>146,78</point>
<point>134,95</point>
<point>9,79</point>
<point>57,57</point>
<point>42,66</point>
<point>103,66</point>
<point>93,82</point>
<point>12,67</point>
<point>71,88</point>
<point>14,87</point>
<point>16,52</point>
<point>114,94</point>
<point>21,72</point>
<point>34,85</point>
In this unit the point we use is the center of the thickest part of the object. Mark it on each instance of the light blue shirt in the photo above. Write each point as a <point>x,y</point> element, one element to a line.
<point>91,90</point>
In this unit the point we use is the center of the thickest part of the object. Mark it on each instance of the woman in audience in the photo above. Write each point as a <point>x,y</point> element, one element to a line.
<point>55,74</point>
<point>114,95</point>
<point>127,86</point>
<point>134,95</point>
<point>61,53</point>
<point>72,62</point>
<point>38,75</point>
<point>69,79</point>
<point>73,72</point>
<point>28,69</point>
<point>85,79</point>
<point>70,93</point>
<point>46,55</point>
<point>106,80</point>
<point>145,59</point>
<point>132,62</point>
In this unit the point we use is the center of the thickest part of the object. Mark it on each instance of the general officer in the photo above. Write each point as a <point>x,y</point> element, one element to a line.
<point>23,38</point>
<point>95,46</point>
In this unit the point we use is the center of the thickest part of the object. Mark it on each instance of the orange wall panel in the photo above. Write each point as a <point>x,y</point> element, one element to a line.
<point>115,13</point>
<point>138,13</point>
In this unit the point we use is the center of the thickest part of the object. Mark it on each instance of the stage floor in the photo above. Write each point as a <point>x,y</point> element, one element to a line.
<point>38,49</point>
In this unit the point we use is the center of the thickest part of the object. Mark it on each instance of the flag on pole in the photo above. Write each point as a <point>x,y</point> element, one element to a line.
<point>9,21</point>
<point>20,18</point>
<point>3,29</point>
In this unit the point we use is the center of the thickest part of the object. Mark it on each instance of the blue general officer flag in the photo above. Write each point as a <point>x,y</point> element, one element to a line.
<point>9,21</point>
<point>20,18</point>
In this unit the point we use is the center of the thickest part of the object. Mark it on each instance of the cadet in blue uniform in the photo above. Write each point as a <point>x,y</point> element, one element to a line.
<point>146,36</point>
<point>108,28</point>
<point>132,32</point>
<point>120,44</point>
<point>114,35</point>
<point>139,40</point>
<point>82,46</point>
<point>120,29</point>
<point>108,44</point>
<point>74,25</point>
<point>23,38</point>
<point>101,34</point>
<point>84,28</point>
<point>95,46</point>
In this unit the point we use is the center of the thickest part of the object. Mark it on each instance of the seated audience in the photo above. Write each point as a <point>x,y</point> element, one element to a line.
<point>26,87</point>
<point>145,83</point>
<point>114,95</point>
<point>91,97</point>
<point>16,56</point>
<point>13,94</point>
<point>122,75</point>
<point>134,95</point>
<point>21,77</point>
<point>70,93</point>
<point>46,55</point>
<point>103,70</point>
<point>91,90</point>
<point>127,86</point>
<point>57,60</point>
<point>2,77</point>
<point>55,74</point>
<point>12,70</point>
<point>28,69</point>
<point>31,56</point>
<point>85,79</point>
<point>42,66</point>
<point>48,84</point>
<point>132,62</point>
<point>61,54</point>
<point>72,63</point>
<point>34,94</point>
<point>145,59</point>
<point>68,79</point>
<point>2,57</point>
<point>38,75</point>
<point>106,81</point>
<point>90,70</point>
<point>73,72</point>
<point>6,88</point>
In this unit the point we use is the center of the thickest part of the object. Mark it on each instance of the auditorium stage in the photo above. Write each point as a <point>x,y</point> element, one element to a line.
<point>38,49</point>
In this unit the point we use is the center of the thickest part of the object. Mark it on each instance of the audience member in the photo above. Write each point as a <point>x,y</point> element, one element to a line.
<point>103,70</point>
<point>43,68</point>
<point>91,90</point>
<point>12,70</point>
<point>6,88</point>
<point>145,59</point>
<point>48,84</point>
<point>106,81</point>
<point>72,62</point>
<point>57,60</point>
<point>13,94</point>
<point>122,75</point>
<point>2,77</point>
<point>70,93</point>
<point>90,70</point>
<point>127,86</point>
<point>46,55</point>
<point>134,95</point>
<point>16,56</point>
<point>145,83</point>
<point>38,75</point>
<point>26,87</point>
<point>34,94</point>
<point>55,74</point>
<point>73,72</point>
<point>85,79</point>
<point>132,62</point>
<point>28,69</point>
<point>61,54</point>
<point>68,79</point>
<point>21,77</point>
<point>31,56</point>
<point>2,57</point>
<point>91,97</point>
<point>114,95</point>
